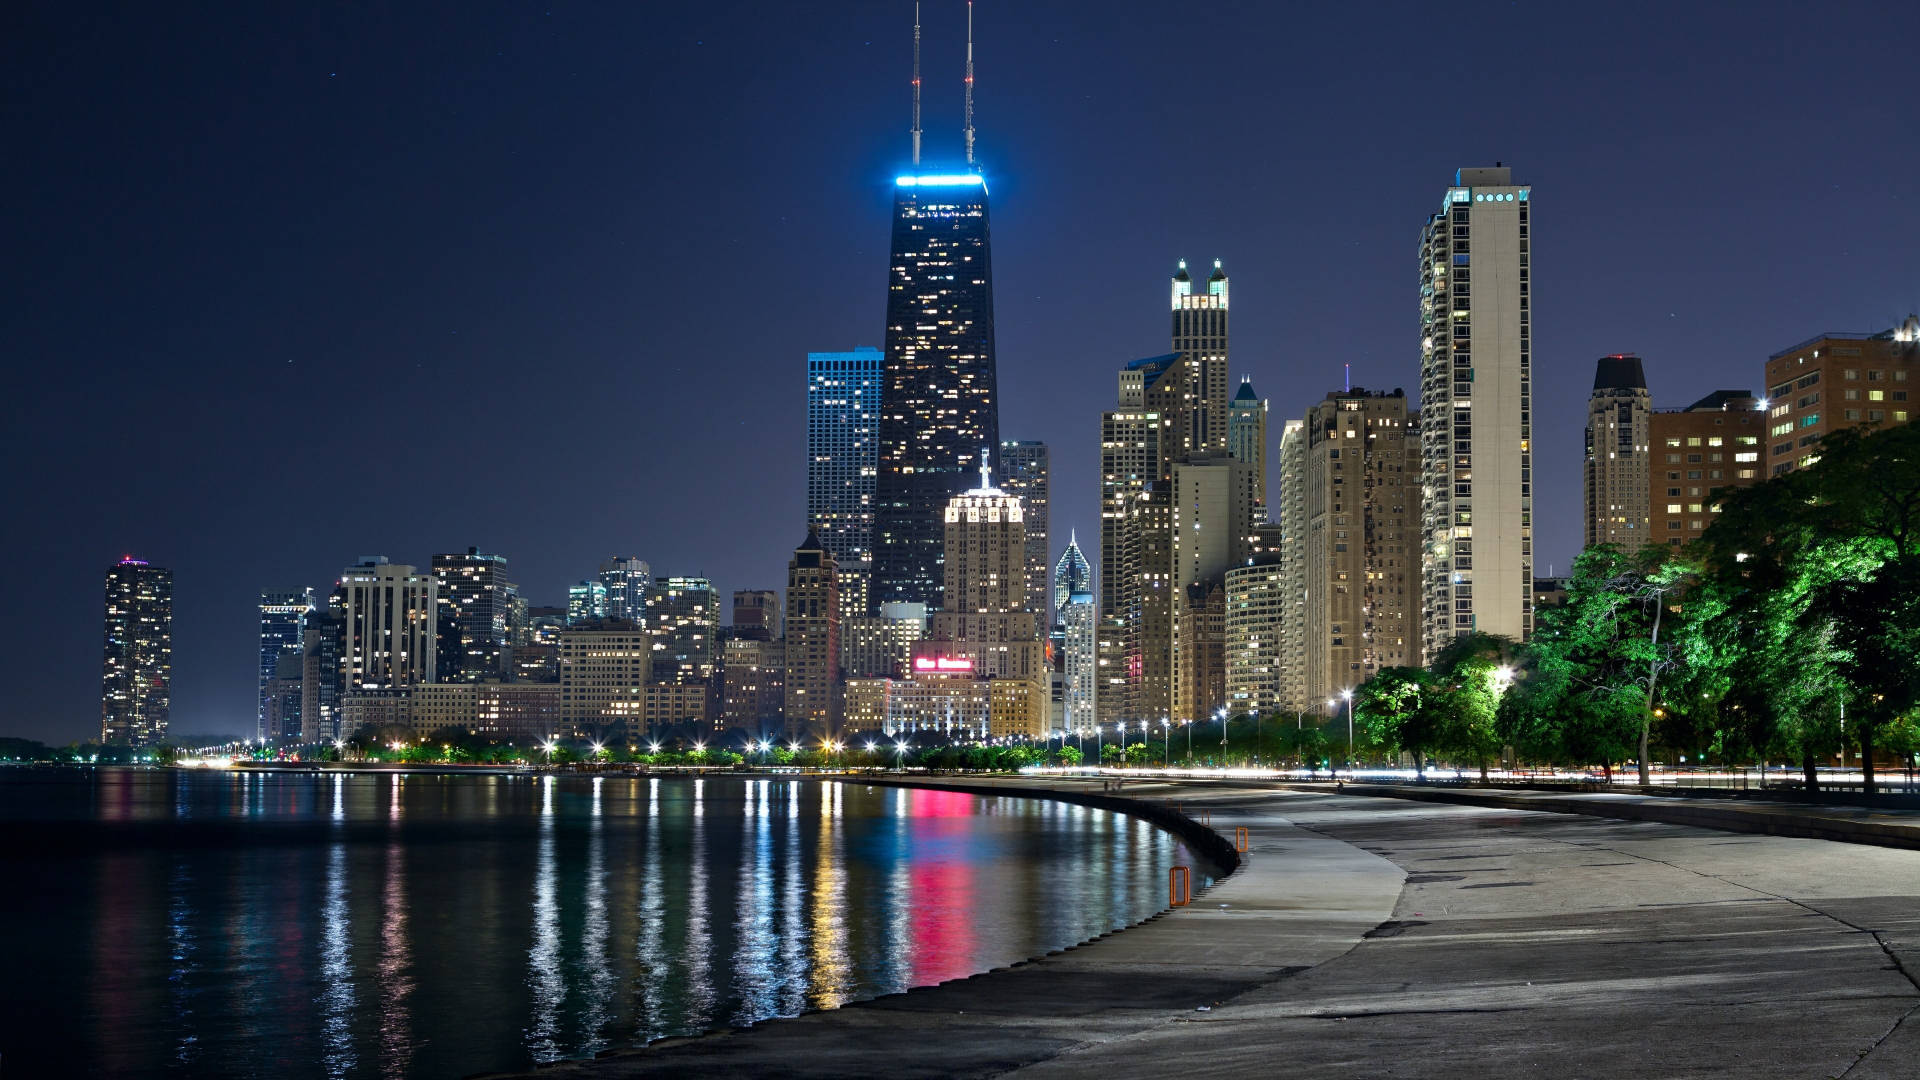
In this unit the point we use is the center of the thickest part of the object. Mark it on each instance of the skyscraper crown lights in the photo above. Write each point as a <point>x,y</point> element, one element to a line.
<point>941,180</point>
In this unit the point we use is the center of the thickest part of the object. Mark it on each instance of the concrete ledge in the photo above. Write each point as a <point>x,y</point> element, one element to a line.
<point>1848,825</point>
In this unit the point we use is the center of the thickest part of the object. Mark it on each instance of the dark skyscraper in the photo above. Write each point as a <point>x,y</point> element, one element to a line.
<point>938,406</point>
<point>136,681</point>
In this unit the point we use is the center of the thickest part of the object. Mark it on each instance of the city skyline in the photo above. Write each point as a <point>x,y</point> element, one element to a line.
<point>1825,266</point>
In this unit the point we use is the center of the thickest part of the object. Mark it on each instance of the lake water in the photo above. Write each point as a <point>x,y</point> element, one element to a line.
<point>230,924</point>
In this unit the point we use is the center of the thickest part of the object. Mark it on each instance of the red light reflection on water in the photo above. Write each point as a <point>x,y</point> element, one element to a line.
<point>945,893</point>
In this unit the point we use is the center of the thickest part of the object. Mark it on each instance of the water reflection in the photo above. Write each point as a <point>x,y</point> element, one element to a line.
<point>380,925</point>
<point>336,968</point>
<point>543,959</point>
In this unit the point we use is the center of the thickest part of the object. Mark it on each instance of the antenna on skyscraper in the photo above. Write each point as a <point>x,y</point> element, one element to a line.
<point>969,82</point>
<point>1349,368</point>
<point>916,84</point>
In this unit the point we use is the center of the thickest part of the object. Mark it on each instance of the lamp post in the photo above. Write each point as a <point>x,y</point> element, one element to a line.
<point>1348,694</point>
<point>1166,742</point>
<point>1221,715</point>
<point>1188,724</point>
<point>1333,707</point>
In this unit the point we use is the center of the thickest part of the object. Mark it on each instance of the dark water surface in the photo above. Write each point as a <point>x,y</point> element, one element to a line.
<point>227,924</point>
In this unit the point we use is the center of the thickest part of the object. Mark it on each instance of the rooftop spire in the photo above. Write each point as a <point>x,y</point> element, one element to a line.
<point>969,82</point>
<point>916,84</point>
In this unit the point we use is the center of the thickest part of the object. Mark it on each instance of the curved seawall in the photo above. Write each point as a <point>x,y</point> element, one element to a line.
<point>1294,900</point>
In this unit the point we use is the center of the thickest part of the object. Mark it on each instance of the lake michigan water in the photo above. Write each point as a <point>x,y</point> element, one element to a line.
<point>207,923</point>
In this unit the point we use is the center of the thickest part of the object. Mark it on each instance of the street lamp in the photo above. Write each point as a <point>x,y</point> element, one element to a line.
<point>1166,742</point>
<point>1348,694</point>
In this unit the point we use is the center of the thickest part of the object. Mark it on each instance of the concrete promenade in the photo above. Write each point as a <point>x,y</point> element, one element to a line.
<point>1375,937</point>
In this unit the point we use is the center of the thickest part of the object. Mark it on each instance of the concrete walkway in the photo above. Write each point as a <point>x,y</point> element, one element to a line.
<point>1381,937</point>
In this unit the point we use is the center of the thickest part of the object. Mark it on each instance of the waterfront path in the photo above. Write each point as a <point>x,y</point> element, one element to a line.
<point>1378,937</point>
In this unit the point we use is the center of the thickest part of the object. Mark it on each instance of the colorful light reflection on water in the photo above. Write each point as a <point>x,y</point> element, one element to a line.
<point>208,923</point>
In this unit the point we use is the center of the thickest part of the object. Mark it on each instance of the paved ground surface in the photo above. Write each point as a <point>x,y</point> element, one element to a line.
<point>1379,937</point>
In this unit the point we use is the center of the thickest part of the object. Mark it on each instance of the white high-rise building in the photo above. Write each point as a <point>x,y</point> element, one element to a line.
<point>1293,565</point>
<point>389,637</point>
<point>1476,400</point>
<point>1082,625</point>
<point>627,579</point>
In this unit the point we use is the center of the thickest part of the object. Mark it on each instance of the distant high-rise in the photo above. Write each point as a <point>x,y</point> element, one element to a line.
<point>1257,603</point>
<point>1293,565</point>
<point>1247,439</point>
<point>1708,449</point>
<point>136,678</point>
<point>939,403</point>
<point>586,601</point>
<point>1023,469</point>
<point>1864,376</point>
<point>1476,410</point>
<point>391,612</point>
<point>1362,556</point>
<point>322,671</point>
<point>1129,461</point>
<point>1618,414</point>
<point>476,607</point>
<point>1082,658</point>
<point>1200,342</point>
<point>683,615</point>
<point>1071,574</point>
<point>1213,504</point>
<point>759,609</point>
<point>283,619</point>
<point>984,615</point>
<point>627,578</point>
<point>843,461</point>
<point>813,641</point>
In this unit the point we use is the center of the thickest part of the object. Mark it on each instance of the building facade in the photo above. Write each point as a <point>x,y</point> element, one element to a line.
<point>604,676</point>
<point>323,672</point>
<point>984,614</point>
<point>627,579</point>
<point>1363,458</point>
<point>939,399</point>
<point>1700,453</point>
<point>390,633</point>
<point>843,463</point>
<point>754,686</point>
<point>476,609</point>
<point>283,619</point>
<point>1476,395</point>
<point>1834,381</point>
<point>1619,415</point>
<point>759,609</point>
<point>1081,620</point>
<point>1247,439</point>
<point>1023,468</point>
<point>1200,341</point>
<point>1255,620</point>
<point>683,615</point>
<point>1293,565</point>
<point>882,645</point>
<point>586,601</point>
<point>812,691</point>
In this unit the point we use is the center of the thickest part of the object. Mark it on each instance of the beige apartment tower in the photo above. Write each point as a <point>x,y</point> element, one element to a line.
<point>812,688</point>
<point>1619,415</point>
<point>1362,493</point>
<point>1476,410</point>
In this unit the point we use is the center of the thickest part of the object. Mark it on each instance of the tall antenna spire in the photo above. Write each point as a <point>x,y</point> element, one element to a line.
<point>969,82</point>
<point>916,83</point>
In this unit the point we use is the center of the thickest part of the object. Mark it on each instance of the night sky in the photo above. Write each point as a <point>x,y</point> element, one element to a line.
<point>287,287</point>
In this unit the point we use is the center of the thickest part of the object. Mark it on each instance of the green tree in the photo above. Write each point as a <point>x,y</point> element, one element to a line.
<point>1069,756</point>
